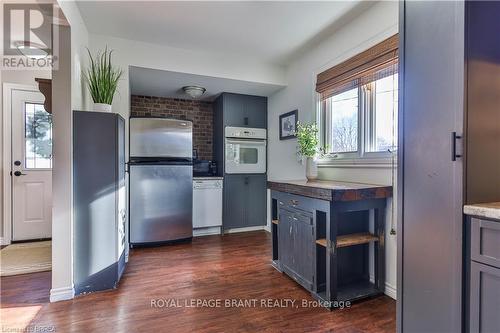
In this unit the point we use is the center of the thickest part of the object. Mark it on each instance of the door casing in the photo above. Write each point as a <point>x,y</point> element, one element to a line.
<point>8,88</point>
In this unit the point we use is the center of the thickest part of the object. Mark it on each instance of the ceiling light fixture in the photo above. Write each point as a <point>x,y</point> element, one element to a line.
<point>31,50</point>
<point>194,91</point>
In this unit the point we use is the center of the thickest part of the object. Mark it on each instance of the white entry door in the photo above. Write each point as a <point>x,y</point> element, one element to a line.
<point>31,166</point>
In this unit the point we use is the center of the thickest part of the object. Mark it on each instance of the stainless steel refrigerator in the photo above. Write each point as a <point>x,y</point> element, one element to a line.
<point>161,180</point>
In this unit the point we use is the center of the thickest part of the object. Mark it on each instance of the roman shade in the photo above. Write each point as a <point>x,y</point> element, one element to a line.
<point>375,63</point>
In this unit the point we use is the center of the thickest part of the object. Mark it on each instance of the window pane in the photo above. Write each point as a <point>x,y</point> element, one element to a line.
<point>386,113</point>
<point>344,122</point>
<point>38,137</point>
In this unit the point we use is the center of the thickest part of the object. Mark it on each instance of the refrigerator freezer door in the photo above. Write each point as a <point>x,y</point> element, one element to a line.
<point>160,138</point>
<point>161,200</point>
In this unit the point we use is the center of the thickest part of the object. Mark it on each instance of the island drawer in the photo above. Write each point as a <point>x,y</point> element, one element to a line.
<point>295,202</point>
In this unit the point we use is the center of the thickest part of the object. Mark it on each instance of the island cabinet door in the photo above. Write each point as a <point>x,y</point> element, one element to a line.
<point>285,241</point>
<point>303,249</point>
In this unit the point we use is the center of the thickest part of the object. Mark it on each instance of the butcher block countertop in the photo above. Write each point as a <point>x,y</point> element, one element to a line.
<point>487,210</point>
<point>331,190</point>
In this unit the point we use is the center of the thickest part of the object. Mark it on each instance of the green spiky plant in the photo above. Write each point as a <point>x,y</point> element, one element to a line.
<point>307,138</point>
<point>101,77</point>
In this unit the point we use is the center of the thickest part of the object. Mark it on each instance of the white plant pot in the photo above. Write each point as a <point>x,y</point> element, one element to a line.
<point>101,107</point>
<point>311,169</point>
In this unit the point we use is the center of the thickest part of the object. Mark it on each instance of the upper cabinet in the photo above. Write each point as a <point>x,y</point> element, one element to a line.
<point>244,110</point>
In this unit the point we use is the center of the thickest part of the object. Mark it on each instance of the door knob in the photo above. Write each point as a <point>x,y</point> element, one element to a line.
<point>19,173</point>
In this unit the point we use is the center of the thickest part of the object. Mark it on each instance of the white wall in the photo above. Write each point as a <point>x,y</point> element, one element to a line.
<point>135,53</point>
<point>372,26</point>
<point>68,94</point>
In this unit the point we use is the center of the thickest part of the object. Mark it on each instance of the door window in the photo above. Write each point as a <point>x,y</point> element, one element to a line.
<point>37,137</point>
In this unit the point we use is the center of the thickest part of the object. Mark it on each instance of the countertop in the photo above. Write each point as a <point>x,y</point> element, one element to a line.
<point>331,190</point>
<point>489,210</point>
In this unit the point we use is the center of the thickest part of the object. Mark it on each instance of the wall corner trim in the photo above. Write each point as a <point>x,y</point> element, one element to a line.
<point>62,294</point>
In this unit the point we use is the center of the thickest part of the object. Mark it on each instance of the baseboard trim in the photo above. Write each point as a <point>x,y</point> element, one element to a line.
<point>206,231</point>
<point>246,229</point>
<point>390,291</point>
<point>62,294</point>
<point>267,228</point>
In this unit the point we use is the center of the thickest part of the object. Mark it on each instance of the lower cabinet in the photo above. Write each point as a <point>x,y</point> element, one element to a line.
<point>484,275</point>
<point>245,201</point>
<point>296,246</point>
<point>484,298</point>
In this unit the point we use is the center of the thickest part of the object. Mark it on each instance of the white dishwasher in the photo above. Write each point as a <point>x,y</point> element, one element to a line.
<point>207,206</point>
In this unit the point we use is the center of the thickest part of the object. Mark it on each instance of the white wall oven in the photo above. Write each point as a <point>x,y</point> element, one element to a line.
<point>245,150</point>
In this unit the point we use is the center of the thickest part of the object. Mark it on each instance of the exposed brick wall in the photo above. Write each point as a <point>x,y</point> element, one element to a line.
<point>200,113</point>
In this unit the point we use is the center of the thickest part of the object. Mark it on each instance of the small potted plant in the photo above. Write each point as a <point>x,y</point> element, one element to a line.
<point>102,80</point>
<point>307,138</point>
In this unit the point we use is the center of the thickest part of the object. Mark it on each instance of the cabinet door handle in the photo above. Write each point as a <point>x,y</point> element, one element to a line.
<point>294,202</point>
<point>245,121</point>
<point>246,180</point>
<point>454,138</point>
<point>295,218</point>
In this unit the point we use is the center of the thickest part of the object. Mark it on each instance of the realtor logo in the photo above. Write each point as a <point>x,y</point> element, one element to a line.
<point>28,36</point>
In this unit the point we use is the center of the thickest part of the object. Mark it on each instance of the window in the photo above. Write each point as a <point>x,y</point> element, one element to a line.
<point>362,120</point>
<point>359,103</point>
<point>343,110</point>
<point>386,114</point>
<point>37,137</point>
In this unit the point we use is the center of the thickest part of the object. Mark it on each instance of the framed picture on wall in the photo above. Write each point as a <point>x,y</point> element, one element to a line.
<point>288,125</point>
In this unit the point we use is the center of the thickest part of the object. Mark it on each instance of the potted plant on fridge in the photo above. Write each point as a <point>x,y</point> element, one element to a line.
<point>307,138</point>
<point>102,80</point>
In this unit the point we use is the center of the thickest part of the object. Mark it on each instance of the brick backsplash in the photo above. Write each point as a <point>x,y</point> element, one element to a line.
<point>200,113</point>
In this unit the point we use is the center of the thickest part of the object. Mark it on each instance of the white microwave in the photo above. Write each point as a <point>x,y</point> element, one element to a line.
<point>245,150</point>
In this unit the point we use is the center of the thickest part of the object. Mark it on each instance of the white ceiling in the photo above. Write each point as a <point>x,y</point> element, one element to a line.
<point>270,32</point>
<point>153,82</point>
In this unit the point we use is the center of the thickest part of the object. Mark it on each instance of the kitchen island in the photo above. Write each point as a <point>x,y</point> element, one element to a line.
<point>321,236</point>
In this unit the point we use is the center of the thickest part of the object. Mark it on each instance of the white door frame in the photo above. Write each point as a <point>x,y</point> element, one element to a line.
<point>7,155</point>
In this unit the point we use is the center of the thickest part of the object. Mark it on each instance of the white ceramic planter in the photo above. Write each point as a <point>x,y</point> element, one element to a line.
<point>101,107</point>
<point>311,169</point>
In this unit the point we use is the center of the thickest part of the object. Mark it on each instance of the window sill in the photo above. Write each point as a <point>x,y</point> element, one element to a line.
<point>383,162</point>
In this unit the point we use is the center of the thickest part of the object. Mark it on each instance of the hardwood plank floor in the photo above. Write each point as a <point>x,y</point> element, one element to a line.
<point>235,266</point>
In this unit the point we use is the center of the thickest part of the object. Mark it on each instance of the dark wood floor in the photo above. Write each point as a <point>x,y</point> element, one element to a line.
<point>229,267</point>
